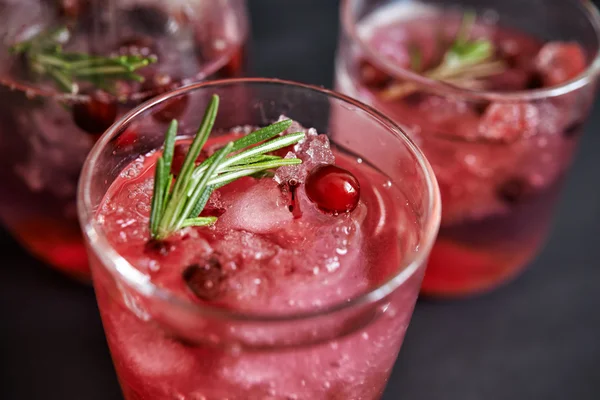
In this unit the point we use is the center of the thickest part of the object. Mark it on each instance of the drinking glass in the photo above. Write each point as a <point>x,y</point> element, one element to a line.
<point>54,105</point>
<point>166,347</point>
<point>500,150</point>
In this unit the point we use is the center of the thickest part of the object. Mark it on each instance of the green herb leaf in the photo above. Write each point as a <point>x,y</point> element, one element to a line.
<point>178,200</point>
<point>201,203</point>
<point>180,206</point>
<point>464,64</point>
<point>199,221</point>
<point>416,57</point>
<point>198,191</point>
<point>46,57</point>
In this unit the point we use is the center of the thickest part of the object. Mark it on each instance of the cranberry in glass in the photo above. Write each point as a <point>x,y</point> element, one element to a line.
<point>96,114</point>
<point>513,190</point>
<point>158,247</point>
<point>333,189</point>
<point>204,280</point>
<point>72,8</point>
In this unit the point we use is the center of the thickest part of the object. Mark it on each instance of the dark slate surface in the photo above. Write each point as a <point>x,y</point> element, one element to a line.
<point>535,338</point>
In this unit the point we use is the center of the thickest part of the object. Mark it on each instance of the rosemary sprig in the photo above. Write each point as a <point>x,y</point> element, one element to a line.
<point>45,56</point>
<point>464,64</point>
<point>176,206</point>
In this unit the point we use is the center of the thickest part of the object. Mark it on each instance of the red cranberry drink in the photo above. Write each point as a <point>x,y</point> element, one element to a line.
<point>496,102</point>
<point>68,70</point>
<point>256,263</point>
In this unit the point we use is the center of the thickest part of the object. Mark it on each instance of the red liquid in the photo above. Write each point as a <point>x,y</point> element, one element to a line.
<point>43,145</point>
<point>499,165</point>
<point>264,258</point>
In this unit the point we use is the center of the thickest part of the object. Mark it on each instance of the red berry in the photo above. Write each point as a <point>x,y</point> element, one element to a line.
<point>333,189</point>
<point>158,247</point>
<point>560,62</point>
<point>97,114</point>
<point>170,109</point>
<point>205,280</point>
<point>513,191</point>
<point>72,8</point>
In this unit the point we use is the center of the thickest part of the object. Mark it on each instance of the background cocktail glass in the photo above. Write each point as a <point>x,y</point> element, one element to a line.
<point>45,133</point>
<point>500,157</point>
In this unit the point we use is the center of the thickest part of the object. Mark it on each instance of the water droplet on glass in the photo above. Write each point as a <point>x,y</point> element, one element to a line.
<point>154,266</point>
<point>219,44</point>
<point>341,251</point>
<point>542,142</point>
<point>470,159</point>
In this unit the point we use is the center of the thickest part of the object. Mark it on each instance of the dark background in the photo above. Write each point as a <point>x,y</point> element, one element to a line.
<point>535,338</point>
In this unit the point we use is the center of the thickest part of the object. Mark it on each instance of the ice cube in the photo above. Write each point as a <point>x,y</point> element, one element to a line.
<point>148,351</point>
<point>508,122</point>
<point>294,127</point>
<point>312,150</point>
<point>288,173</point>
<point>261,208</point>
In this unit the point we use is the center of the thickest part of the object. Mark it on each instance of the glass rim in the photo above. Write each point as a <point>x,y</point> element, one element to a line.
<point>586,77</point>
<point>119,266</point>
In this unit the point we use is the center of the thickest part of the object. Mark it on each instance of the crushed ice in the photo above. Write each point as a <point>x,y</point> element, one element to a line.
<point>313,149</point>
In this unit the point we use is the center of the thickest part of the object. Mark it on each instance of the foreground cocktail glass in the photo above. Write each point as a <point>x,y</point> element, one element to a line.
<point>292,303</point>
<point>57,97</point>
<point>496,94</point>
